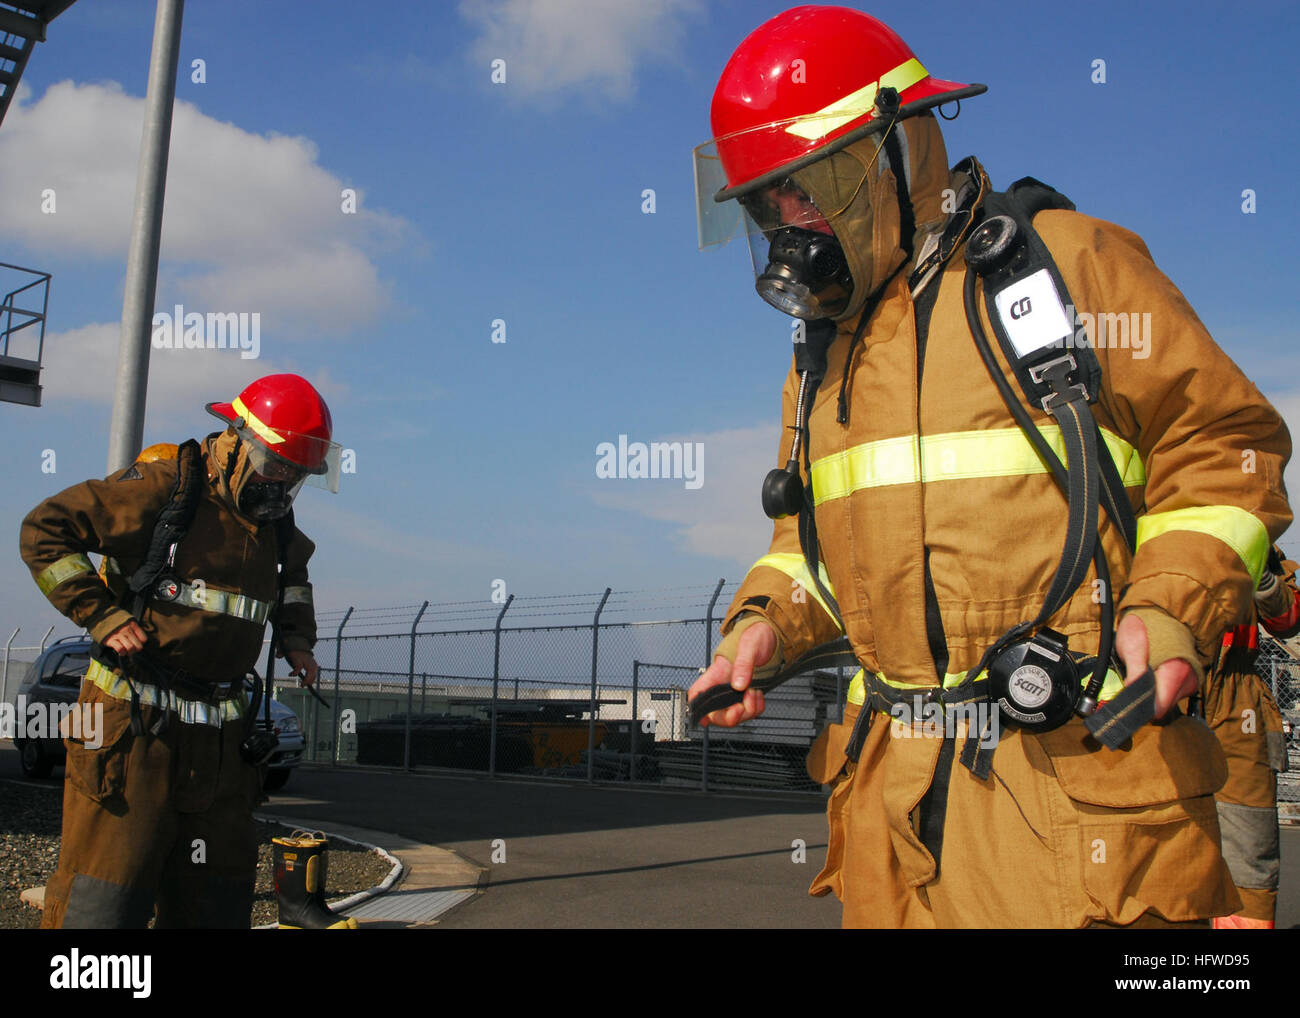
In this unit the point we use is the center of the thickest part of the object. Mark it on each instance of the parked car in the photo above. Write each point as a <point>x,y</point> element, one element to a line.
<point>55,678</point>
<point>289,753</point>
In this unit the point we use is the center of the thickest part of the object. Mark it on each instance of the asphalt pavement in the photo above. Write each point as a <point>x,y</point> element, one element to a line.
<point>561,855</point>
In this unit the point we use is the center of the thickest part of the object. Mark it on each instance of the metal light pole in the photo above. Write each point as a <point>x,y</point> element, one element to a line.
<point>4,683</point>
<point>126,432</point>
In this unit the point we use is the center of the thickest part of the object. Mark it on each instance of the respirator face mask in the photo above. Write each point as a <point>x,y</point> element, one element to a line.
<point>271,485</point>
<point>799,265</point>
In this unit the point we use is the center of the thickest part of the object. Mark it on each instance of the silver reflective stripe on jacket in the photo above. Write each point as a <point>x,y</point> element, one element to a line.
<point>224,602</point>
<point>190,712</point>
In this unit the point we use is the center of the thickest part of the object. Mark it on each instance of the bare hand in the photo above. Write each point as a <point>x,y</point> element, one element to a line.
<point>127,640</point>
<point>1175,679</point>
<point>302,663</point>
<point>757,644</point>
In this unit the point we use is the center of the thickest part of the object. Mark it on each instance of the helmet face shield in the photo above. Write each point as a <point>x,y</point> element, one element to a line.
<point>274,467</point>
<point>720,221</point>
<point>799,265</point>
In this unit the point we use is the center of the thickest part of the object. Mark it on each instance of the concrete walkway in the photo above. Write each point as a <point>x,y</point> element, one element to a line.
<point>432,881</point>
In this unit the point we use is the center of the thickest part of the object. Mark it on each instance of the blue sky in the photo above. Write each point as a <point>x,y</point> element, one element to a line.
<point>522,201</point>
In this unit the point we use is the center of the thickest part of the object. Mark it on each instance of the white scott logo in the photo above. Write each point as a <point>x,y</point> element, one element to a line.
<point>1030,686</point>
<point>72,971</point>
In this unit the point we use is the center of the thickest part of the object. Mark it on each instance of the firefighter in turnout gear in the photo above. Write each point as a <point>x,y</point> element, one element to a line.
<point>932,478</point>
<point>199,550</point>
<point>1241,711</point>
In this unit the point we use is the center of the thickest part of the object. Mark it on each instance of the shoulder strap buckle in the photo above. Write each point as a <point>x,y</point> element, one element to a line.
<point>1056,373</point>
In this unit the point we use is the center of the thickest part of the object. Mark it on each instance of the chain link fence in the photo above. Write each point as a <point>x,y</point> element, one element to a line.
<point>576,686</point>
<point>1279,666</point>
<point>15,660</point>
<point>569,686</point>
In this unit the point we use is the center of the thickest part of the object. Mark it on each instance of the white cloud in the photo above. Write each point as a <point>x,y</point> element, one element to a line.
<point>80,368</point>
<point>559,46</point>
<point>252,222</point>
<point>723,518</point>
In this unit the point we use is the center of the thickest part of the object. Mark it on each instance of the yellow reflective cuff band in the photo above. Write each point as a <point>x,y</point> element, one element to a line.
<point>297,595</point>
<point>254,425</point>
<point>1240,530</point>
<point>858,688</point>
<point>858,103</point>
<point>190,712</point>
<point>958,455</point>
<point>63,570</point>
<point>796,568</point>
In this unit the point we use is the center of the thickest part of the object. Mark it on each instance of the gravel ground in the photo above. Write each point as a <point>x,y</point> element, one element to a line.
<point>30,820</point>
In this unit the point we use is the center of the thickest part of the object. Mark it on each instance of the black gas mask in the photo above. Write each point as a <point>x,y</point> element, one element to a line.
<point>807,275</point>
<point>263,501</point>
<point>264,484</point>
<point>799,265</point>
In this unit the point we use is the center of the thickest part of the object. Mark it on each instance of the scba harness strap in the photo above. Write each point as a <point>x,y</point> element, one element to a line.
<point>1017,270</point>
<point>156,579</point>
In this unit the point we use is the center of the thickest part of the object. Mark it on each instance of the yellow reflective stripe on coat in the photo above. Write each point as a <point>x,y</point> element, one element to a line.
<point>796,568</point>
<point>297,595</point>
<point>190,712</point>
<point>262,431</point>
<point>64,569</point>
<point>958,455</point>
<point>858,687</point>
<point>1240,530</point>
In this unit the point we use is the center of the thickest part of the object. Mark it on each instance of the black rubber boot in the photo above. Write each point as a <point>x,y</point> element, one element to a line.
<point>300,864</point>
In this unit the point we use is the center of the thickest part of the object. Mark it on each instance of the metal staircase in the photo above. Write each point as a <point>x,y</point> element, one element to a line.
<point>20,371</point>
<point>22,26</point>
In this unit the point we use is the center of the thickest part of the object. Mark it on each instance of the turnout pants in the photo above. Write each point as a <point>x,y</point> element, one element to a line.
<point>1245,718</point>
<point>155,822</point>
<point>1063,833</point>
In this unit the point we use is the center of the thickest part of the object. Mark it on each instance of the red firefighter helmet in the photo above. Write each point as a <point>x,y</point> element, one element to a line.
<point>284,416</point>
<point>800,87</point>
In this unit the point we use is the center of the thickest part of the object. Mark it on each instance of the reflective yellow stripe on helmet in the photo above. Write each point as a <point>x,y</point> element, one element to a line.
<point>857,688</point>
<point>958,455</point>
<point>796,568</point>
<point>255,425</point>
<point>1240,530</point>
<point>64,569</point>
<point>857,103</point>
